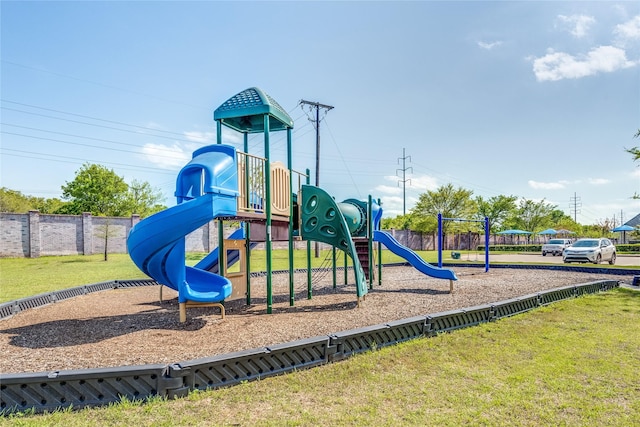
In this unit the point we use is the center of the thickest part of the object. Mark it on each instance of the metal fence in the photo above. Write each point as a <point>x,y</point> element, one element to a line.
<point>49,391</point>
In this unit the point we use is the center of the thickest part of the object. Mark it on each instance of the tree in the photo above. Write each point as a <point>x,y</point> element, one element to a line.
<point>142,199</point>
<point>101,192</point>
<point>532,216</point>
<point>560,220</point>
<point>601,228</point>
<point>449,201</point>
<point>497,209</point>
<point>16,202</point>
<point>104,232</point>
<point>97,190</point>
<point>400,222</point>
<point>49,206</point>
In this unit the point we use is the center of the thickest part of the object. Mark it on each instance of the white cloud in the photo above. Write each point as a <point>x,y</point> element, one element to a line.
<point>578,25</point>
<point>635,173</point>
<point>628,31</point>
<point>393,205</point>
<point>202,137</point>
<point>598,181</point>
<point>166,157</point>
<point>560,65</point>
<point>489,45</point>
<point>423,183</point>
<point>387,189</point>
<point>419,183</point>
<point>391,196</point>
<point>547,185</point>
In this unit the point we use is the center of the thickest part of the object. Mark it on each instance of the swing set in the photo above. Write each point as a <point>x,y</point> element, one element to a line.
<point>484,221</point>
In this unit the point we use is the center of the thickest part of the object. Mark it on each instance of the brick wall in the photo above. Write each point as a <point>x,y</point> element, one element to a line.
<point>35,234</point>
<point>14,235</point>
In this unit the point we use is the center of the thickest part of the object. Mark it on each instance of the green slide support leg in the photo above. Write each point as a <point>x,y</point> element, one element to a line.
<point>323,222</point>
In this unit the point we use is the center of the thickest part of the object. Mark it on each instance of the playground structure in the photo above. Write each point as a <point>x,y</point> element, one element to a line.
<point>273,203</point>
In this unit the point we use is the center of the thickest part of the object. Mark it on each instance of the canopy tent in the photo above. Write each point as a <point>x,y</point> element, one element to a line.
<point>623,229</point>
<point>513,232</point>
<point>564,231</point>
<point>548,231</point>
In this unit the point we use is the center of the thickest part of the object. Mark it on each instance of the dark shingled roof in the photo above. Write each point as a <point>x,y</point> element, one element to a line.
<point>245,112</point>
<point>634,222</point>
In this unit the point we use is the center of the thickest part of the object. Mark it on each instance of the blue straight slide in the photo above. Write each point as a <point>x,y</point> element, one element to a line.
<point>210,262</point>
<point>157,243</point>
<point>413,258</point>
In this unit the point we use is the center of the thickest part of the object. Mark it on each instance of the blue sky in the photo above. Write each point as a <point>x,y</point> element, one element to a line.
<point>533,99</point>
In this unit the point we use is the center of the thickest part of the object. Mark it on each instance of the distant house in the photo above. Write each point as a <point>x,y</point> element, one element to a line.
<point>634,222</point>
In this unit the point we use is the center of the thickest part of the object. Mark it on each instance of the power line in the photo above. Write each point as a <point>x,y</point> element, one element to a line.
<point>346,166</point>
<point>97,125</point>
<point>75,160</point>
<point>84,117</point>
<point>81,144</point>
<point>103,85</point>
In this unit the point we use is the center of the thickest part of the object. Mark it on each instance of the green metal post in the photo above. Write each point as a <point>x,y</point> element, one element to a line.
<point>246,226</point>
<point>267,181</point>
<point>221,253</point>
<point>291,268</point>
<point>333,256</point>
<point>309,283</point>
<point>346,268</point>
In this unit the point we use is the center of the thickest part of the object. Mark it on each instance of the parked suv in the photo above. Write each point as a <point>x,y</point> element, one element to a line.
<point>590,250</point>
<point>555,246</point>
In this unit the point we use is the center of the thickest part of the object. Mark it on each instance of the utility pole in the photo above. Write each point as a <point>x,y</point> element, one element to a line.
<point>575,204</point>
<point>316,120</point>
<point>404,180</point>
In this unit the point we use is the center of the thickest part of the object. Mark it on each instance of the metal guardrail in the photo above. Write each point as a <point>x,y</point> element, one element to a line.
<point>49,391</point>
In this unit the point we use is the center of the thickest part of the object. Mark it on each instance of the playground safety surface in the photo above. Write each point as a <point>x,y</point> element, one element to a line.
<point>132,327</point>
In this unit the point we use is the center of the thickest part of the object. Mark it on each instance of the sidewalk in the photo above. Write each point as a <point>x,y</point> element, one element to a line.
<point>622,259</point>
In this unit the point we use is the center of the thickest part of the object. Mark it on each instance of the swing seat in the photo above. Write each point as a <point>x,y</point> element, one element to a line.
<point>455,255</point>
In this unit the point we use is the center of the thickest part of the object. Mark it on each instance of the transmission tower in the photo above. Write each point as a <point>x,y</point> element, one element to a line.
<point>574,206</point>
<point>404,180</point>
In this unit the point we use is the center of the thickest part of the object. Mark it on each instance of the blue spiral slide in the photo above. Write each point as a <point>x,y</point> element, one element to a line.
<point>206,188</point>
<point>413,258</point>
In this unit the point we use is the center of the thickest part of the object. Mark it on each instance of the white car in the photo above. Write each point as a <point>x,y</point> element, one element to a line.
<point>555,246</point>
<point>590,250</point>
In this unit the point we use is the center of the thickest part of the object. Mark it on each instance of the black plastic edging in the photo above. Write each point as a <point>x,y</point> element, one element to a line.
<point>79,388</point>
<point>39,392</point>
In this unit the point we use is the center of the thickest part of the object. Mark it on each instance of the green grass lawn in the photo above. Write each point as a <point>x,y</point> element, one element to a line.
<point>24,277</point>
<point>573,363</point>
